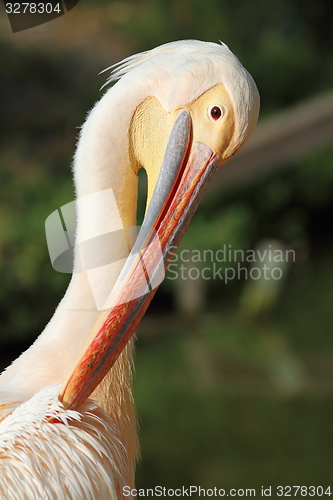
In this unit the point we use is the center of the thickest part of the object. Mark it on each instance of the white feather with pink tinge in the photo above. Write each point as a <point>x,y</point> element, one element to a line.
<point>80,456</point>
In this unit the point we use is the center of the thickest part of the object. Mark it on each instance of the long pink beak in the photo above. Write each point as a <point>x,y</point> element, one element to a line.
<point>184,176</point>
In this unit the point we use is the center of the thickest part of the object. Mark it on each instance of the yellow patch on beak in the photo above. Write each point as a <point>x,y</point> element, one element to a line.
<point>148,137</point>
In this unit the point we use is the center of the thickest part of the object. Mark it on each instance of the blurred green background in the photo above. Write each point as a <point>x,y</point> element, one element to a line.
<point>233,382</point>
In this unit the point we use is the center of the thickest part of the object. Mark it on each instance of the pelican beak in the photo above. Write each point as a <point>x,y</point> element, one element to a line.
<point>185,173</point>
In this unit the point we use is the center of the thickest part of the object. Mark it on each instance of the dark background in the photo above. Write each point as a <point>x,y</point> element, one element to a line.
<point>233,386</point>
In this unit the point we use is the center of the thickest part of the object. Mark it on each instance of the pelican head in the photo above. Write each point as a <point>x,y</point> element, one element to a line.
<point>189,106</point>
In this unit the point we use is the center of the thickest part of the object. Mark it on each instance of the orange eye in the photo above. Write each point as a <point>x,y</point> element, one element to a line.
<point>216,112</point>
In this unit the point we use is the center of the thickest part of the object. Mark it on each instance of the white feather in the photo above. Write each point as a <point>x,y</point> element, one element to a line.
<point>78,457</point>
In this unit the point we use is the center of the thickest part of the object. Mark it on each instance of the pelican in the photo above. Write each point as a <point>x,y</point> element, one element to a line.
<point>67,420</point>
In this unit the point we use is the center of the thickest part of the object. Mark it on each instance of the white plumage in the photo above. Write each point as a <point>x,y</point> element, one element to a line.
<point>41,459</point>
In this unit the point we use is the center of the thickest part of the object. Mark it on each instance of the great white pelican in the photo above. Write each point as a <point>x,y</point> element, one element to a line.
<point>67,420</point>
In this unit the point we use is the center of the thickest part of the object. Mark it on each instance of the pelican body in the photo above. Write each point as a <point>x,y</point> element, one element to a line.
<point>67,419</point>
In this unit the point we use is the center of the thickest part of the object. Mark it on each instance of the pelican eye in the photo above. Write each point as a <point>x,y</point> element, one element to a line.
<point>216,113</point>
